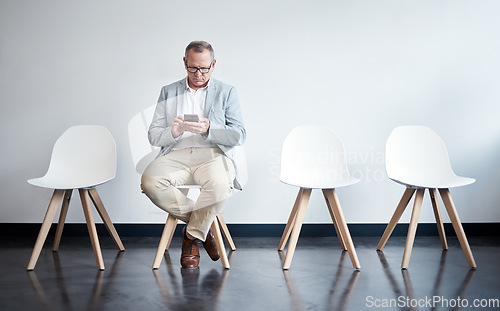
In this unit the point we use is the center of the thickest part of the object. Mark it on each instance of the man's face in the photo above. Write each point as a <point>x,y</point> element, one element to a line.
<point>201,60</point>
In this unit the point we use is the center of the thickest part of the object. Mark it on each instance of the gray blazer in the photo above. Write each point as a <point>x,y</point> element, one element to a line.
<point>222,108</point>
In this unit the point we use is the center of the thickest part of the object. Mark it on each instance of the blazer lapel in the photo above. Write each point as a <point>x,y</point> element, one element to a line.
<point>209,102</point>
<point>181,90</point>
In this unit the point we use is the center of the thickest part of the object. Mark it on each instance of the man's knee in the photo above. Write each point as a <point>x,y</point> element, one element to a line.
<point>162,193</point>
<point>147,184</point>
<point>151,185</point>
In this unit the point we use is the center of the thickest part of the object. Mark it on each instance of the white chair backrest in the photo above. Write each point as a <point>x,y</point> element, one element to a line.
<point>83,156</point>
<point>416,155</point>
<point>142,152</point>
<point>314,157</point>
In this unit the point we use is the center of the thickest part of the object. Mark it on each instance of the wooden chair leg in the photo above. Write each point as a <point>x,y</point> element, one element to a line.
<point>171,229</point>
<point>335,204</point>
<point>225,232</point>
<point>96,199</point>
<point>439,219</point>
<point>417,206</point>
<point>170,225</point>
<point>457,225</point>
<point>55,201</point>
<point>297,225</point>
<point>335,223</point>
<point>220,243</point>
<point>84,196</point>
<point>62,219</point>
<point>290,222</point>
<point>403,203</point>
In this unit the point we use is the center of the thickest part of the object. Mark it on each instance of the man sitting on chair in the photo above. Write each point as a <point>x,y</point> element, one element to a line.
<point>197,122</point>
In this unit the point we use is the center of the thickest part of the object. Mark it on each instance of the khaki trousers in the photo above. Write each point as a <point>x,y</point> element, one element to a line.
<point>207,167</point>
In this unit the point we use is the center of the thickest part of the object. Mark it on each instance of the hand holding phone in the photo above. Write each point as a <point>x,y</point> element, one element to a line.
<point>197,125</point>
<point>191,118</point>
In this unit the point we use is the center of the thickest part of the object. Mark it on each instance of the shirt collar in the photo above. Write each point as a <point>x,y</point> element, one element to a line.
<point>192,90</point>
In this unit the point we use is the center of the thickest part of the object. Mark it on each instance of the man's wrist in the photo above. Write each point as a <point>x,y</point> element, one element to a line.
<point>176,135</point>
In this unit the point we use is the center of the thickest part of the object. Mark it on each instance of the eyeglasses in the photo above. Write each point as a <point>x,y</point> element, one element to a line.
<point>203,70</point>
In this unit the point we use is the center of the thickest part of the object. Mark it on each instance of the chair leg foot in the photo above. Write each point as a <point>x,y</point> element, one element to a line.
<point>55,201</point>
<point>62,219</point>
<point>457,225</point>
<point>297,225</point>
<point>166,236</point>
<point>220,244</point>
<point>335,221</point>
<point>335,204</point>
<point>439,219</point>
<point>96,199</point>
<point>417,206</point>
<point>85,198</point>
<point>291,221</point>
<point>225,232</point>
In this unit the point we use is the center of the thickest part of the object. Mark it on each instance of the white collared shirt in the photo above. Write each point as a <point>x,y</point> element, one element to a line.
<point>194,103</point>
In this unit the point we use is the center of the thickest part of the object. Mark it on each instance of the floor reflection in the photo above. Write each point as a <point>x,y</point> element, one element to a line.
<point>96,293</point>
<point>436,289</point>
<point>40,292</point>
<point>190,291</point>
<point>338,296</point>
<point>343,298</point>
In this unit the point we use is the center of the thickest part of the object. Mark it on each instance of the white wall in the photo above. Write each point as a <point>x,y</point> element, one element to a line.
<point>361,67</point>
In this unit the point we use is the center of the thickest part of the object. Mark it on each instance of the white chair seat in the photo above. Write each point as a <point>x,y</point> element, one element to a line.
<point>323,184</point>
<point>66,182</point>
<point>437,183</point>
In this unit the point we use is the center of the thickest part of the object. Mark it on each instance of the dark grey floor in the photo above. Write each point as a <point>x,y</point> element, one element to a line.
<point>321,277</point>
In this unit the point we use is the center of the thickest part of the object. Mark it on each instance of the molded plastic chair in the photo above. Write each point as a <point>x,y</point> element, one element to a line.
<point>313,157</point>
<point>416,157</point>
<point>142,154</point>
<point>83,158</point>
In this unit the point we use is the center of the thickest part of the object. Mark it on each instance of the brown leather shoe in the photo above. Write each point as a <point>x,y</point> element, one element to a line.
<point>211,247</point>
<point>190,257</point>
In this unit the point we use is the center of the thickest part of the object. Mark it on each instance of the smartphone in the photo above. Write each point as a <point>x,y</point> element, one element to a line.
<point>191,118</point>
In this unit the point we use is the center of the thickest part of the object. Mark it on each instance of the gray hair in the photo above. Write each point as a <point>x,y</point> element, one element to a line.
<point>199,47</point>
